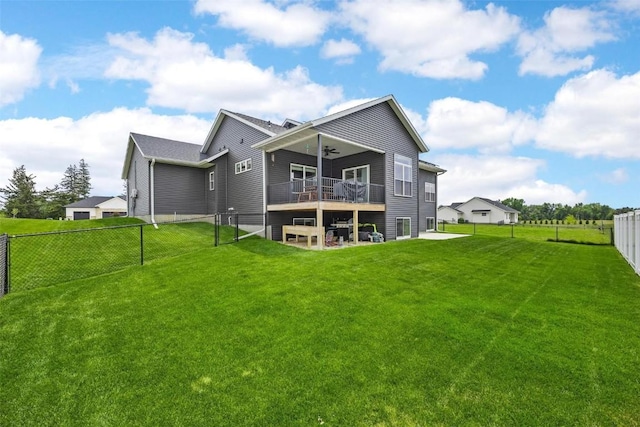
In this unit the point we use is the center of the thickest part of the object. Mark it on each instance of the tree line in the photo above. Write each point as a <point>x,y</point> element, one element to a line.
<point>562,212</point>
<point>20,199</point>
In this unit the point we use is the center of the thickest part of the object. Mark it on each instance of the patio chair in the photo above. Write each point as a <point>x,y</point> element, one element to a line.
<point>328,239</point>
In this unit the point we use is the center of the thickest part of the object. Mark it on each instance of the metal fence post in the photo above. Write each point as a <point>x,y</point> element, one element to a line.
<point>4,264</point>
<point>237,228</point>
<point>141,245</point>
<point>265,225</point>
<point>216,230</point>
<point>512,231</point>
<point>474,228</point>
<point>556,233</point>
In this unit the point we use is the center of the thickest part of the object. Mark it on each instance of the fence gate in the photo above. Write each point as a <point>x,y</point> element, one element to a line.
<point>4,264</point>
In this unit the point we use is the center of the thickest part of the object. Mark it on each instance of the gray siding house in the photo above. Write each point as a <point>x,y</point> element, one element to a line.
<point>360,165</point>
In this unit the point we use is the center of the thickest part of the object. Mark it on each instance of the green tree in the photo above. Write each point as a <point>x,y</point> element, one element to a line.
<point>76,183</point>
<point>20,197</point>
<point>83,180</point>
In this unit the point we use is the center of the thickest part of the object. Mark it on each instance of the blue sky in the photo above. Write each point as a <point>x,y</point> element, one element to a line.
<point>537,100</point>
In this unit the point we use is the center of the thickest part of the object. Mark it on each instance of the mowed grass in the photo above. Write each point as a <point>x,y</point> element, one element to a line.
<point>590,234</point>
<point>471,331</point>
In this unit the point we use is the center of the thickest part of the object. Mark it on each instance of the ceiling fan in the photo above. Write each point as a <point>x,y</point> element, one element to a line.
<point>328,151</point>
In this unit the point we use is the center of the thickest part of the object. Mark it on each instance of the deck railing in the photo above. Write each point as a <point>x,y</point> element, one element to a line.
<point>305,190</point>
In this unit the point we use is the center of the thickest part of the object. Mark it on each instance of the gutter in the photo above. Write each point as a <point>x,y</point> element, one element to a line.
<point>151,195</point>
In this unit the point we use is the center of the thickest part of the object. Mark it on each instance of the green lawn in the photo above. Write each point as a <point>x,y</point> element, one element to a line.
<point>589,234</point>
<point>472,331</point>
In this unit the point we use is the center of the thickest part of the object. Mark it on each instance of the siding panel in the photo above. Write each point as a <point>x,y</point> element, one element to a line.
<point>138,178</point>
<point>179,189</point>
<point>427,209</point>
<point>244,191</point>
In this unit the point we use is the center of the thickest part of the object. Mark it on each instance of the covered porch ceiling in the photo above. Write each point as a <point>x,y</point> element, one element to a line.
<point>305,141</point>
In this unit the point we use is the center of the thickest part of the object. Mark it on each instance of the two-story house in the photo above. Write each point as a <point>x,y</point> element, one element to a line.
<point>360,165</point>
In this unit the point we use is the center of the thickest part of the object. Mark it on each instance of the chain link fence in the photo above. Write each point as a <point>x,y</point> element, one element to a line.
<point>29,261</point>
<point>4,264</point>
<point>584,234</point>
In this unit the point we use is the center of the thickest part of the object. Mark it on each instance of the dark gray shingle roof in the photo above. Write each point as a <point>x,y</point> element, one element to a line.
<point>89,202</point>
<point>265,124</point>
<point>152,146</point>
<point>497,204</point>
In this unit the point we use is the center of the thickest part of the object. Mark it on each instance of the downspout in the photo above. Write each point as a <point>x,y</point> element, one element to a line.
<point>151,193</point>
<point>436,204</point>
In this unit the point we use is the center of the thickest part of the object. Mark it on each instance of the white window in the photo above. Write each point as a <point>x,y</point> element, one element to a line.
<point>429,192</point>
<point>212,181</point>
<point>358,174</point>
<point>305,174</point>
<point>403,228</point>
<point>402,175</point>
<point>243,166</point>
<point>431,223</point>
<point>304,221</point>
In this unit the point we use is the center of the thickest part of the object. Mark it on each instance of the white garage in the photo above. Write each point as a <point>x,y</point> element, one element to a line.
<point>96,207</point>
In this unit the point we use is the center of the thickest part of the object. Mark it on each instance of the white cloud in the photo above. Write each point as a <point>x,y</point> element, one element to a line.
<point>594,115</point>
<point>187,75</point>
<point>626,6</point>
<point>297,24</point>
<point>18,68</point>
<point>343,50</point>
<point>454,123</point>
<point>498,177</point>
<point>549,50</point>
<point>617,176</point>
<point>430,38</point>
<point>47,146</point>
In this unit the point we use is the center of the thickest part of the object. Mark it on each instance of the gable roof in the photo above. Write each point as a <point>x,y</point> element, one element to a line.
<point>494,203</point>
<point>499,205</point>
<point>453,206</point>
<point>154,147</point>
<point>167,151</point>
<point>264,126</point>
<point>290,136</point>
<point>91,202</point>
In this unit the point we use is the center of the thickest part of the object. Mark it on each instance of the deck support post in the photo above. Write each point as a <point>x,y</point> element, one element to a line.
<point>355,226</point>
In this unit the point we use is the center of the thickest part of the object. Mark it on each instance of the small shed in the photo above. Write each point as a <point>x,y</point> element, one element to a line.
<point>97,207</point>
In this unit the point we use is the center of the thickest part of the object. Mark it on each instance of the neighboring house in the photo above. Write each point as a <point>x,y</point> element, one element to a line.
<point>97,207</point>
<point>450,213</point>
<point>360,165</point>
<point>480,210</point>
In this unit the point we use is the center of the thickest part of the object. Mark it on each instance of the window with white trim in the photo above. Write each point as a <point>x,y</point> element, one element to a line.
<point>304,173</point>
<point>243,166</point>
<point>429,192</point>
<point>431,223</point>
<point>357,174</point>
<point>212,181</point>
<point>403,227</point>
<point>402,175</point>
